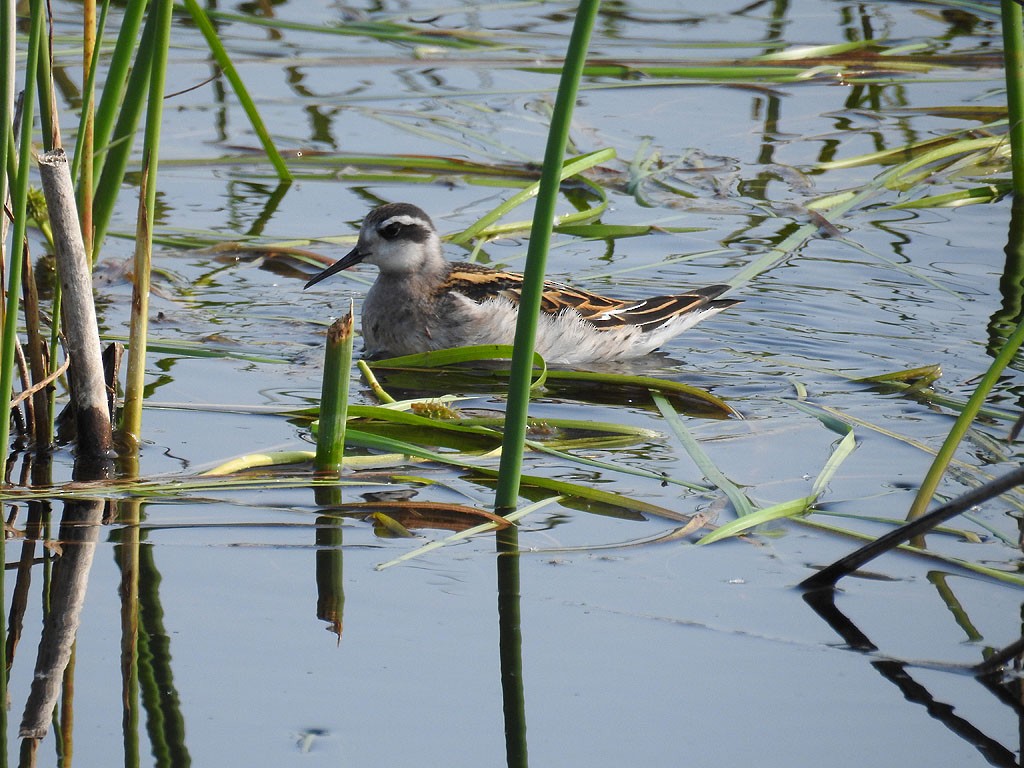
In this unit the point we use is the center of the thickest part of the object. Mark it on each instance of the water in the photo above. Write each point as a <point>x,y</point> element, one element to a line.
<point>632,652</point>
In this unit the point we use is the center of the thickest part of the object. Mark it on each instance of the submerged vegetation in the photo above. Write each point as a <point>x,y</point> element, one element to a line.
<point>454,422</point>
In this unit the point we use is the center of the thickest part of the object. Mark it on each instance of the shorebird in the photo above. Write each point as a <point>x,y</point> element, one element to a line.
<point>421,301</point>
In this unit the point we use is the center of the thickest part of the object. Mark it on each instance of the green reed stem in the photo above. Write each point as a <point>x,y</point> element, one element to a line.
<point>85,139</point>
<point>1013,61</point>
<point>19,199</point>
<point>963,422</point>
<point>109,108</point>
<point>7,75</point>
<point>44,87</point>
<point>228,68</point>
<point>114,149</point>
<point>161,12</point>
<point>510,469</point>
<point>330,439</point>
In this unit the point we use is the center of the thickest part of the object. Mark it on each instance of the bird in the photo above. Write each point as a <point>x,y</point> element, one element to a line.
<point>422,302</point>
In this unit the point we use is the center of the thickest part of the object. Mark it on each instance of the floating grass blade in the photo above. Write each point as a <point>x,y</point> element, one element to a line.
<point>649,383</point>
<point>794,506</point>
<point>922,376</point>
<point>379,392</point>
<point>442,357</point>
<point>758,517</point>
<point>284,458</point>
<point>826,578</point>
<point>330,441</point>
<point>742,505</point>
<point>616,381</point>
<point>255,460</point>
<point>568,168</point>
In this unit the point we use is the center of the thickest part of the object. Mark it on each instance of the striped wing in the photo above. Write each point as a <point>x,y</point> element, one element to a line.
<point>481,283</point>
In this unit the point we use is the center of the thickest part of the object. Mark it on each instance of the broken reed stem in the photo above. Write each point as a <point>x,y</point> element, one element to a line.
<point>330,439</point>
<point>78,310</point>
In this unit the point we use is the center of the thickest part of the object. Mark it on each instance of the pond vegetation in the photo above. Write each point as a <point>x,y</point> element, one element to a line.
<point>658,528</point>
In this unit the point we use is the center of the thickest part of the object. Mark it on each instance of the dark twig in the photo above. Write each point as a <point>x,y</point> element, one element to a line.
<point>827,577</point>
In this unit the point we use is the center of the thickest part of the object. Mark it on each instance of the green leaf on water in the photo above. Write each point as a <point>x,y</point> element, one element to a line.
<point>760,517</point>
<point>710,470</point>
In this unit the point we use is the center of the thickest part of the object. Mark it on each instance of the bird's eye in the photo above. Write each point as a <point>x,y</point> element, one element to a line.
<point>391,231</point>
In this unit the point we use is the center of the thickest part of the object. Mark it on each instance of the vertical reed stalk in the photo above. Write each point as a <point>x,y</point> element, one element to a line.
<point>7,72</point>
<point>507,493</point>
<point>1013,62</point>
<point>7,75</point>
<point>116,140</point>
<point>88,121</point>
<point>114,89</point>
<point>330,439</point>
<point>135,378</point>
<point>19,199</point>
<point>42,431</point>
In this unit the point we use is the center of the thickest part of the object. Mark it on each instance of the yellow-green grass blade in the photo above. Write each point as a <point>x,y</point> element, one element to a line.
<point>793,507</point>
<point>760,517</point>
<point>484,225</point>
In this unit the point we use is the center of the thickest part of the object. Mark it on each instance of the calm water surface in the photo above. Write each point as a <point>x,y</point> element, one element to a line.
<point>632,653</point>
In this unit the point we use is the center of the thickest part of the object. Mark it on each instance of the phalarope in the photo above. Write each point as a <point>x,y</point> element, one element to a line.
<point>421,301</point>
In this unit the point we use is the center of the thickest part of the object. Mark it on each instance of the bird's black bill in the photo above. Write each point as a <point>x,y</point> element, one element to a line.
<point>350,259</point>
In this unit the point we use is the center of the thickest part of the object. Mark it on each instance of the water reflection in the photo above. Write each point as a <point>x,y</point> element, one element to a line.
<point>1008,692</point>
<point>79,534</point>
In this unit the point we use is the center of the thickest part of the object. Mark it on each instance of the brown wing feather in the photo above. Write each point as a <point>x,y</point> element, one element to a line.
<point>479,283</point>
<point>651,313</point>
